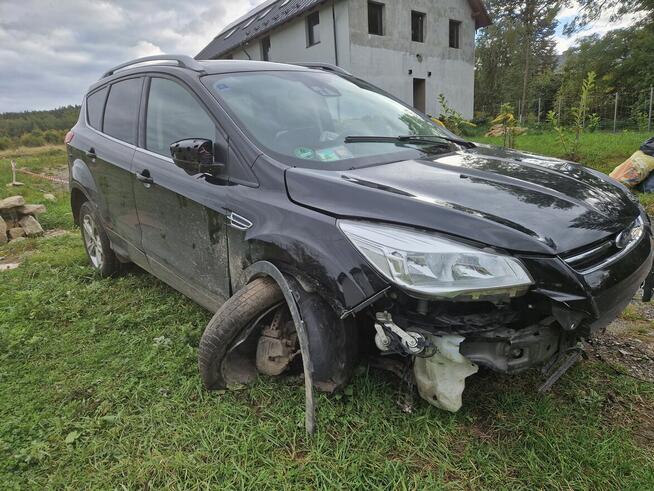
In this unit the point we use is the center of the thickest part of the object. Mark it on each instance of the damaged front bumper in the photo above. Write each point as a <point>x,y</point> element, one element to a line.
<point>453,339</point>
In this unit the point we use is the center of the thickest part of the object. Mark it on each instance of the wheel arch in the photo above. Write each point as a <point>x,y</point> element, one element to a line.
<point>329,344</point>
<point>77,198</point>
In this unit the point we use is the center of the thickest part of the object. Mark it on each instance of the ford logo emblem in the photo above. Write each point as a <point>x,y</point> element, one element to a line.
<point>623,239</point>
<point>632,234</point>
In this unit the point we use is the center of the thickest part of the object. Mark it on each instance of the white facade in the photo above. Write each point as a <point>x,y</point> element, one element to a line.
<point>391,61</point>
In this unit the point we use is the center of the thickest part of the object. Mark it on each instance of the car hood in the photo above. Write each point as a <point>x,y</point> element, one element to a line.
<point>511,200</point>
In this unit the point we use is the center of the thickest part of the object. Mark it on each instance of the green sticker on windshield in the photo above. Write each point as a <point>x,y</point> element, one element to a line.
<point>304,153</point>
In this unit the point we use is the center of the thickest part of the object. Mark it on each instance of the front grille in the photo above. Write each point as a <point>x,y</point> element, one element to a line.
<point>590,257</point>
<point>596,256</point>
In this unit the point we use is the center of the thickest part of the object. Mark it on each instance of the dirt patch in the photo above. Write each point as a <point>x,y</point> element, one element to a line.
<point>629,356</point>
<point>49,234</point>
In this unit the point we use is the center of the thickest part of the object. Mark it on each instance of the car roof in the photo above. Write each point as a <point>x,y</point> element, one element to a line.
<point>201,68</point>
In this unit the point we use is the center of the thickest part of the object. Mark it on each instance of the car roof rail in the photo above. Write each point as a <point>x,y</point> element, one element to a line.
<point>183,61</point>
<point>324,66</point>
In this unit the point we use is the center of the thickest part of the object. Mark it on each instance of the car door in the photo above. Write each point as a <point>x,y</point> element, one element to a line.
<point>181,216</point>
<point>113,114</point>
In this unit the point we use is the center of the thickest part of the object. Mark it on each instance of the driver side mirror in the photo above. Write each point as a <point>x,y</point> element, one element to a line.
<point>195,156</point>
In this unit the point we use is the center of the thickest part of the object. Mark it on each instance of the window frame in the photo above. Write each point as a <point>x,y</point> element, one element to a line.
<point>382,15</point>
<point>104,109</point>
<point>311,41</point>
<point>265,53</point>
<point>423,18</point>
<point>104,104</point>
<point>455,34</point>
<point>143,113</point>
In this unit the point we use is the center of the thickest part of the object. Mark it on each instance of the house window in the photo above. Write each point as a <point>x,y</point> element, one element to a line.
<point>376,18</point>
<point>265,48</point>
<point>313,29</point>
<point>417,27</point>
<point>455,34</point>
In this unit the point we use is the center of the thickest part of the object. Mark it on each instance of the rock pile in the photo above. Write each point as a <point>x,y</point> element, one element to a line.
<point>18,220</point>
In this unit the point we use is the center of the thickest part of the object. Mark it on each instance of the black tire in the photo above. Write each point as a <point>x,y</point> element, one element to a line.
<point>236,314</point>
<point>109,264</point>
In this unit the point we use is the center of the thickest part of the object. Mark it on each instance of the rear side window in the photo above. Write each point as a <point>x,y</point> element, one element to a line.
<point>94,106</point>
<point>174,114</point>
<point>122,110</point>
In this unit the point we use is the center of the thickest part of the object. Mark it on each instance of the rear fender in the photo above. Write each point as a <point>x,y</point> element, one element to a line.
<point>82,182</point>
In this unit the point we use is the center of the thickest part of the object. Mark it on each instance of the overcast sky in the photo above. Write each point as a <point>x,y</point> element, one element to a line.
<point>51,51</point>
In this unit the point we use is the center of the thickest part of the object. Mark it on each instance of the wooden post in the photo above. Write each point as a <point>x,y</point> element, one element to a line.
<point>615,114</point>
<point>649,121</point>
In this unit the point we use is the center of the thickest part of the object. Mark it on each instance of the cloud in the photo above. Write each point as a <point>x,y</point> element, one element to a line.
<point>51,51</point>
<point>601,26</point>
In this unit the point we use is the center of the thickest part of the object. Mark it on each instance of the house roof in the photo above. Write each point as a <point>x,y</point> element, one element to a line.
<point>274,13</point>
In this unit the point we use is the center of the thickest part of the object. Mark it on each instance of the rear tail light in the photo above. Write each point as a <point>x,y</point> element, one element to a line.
<point>69,137</point>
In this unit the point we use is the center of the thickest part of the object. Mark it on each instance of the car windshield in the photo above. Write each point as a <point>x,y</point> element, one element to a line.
<point>310,118</point>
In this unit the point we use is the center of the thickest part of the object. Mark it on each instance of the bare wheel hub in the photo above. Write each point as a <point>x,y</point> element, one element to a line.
<point>277,345</point>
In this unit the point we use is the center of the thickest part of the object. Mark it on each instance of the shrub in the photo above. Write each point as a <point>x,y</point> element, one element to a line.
<point>32,139</point>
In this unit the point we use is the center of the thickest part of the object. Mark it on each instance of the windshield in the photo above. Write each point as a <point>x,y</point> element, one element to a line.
<point>308,117</point>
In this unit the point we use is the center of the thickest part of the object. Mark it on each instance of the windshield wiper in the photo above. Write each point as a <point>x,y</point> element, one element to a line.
<point>419,139</point>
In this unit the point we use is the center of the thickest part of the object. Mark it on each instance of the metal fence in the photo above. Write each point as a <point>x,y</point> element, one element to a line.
<point>613,112</point>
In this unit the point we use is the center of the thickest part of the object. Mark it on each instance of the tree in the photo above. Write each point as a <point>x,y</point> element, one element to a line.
<point>591,10</point>
<point>517,50</point>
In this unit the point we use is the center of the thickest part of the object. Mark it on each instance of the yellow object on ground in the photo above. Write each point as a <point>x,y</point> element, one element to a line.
<point>634,170</point>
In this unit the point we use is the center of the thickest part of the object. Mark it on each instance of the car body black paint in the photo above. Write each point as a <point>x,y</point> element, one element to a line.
<point>535,208</point>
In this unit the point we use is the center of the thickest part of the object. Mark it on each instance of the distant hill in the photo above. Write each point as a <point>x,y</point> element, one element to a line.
<point>35,128</point>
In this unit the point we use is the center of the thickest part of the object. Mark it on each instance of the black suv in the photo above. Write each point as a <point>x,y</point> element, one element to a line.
<point>322,220</point>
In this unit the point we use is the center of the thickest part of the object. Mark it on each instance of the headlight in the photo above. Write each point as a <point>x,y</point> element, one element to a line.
<point>431,265</point>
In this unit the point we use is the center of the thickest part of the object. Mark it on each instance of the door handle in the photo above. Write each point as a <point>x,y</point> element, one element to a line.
<point>145,178</point>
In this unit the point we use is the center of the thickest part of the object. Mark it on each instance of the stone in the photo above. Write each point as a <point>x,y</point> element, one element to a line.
<point>11,202</point>
<point>31,209</point>
<point>19,239</point>
<point>31,226</point>
<point>14,233</point>
<point>3,231</point>
<point>49,197</point>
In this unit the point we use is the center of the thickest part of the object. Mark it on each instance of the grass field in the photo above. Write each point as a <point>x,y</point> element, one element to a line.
<point>99,390</point>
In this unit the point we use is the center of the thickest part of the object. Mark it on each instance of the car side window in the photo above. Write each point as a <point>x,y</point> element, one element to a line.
<point>94,107</point>
<point>122,110</point>
<point>173,114</point>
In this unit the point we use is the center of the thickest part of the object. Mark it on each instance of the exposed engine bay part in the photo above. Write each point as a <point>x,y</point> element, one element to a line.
<point>508,350</point>
<point>390,338</point>
<point>558,366</point>
<point>441,378</point>
<point>277,346</point>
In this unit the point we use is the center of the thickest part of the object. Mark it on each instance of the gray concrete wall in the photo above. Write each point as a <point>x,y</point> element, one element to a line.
<point>386,60</point>
<point>288,43</point>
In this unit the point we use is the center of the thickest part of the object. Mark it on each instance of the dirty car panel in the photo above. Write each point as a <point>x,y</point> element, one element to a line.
<point>385,234</point>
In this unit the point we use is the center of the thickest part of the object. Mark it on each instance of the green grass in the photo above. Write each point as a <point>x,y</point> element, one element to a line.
<point>99,390</point>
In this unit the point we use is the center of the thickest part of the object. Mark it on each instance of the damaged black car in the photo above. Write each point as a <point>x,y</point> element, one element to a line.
<point>326,222</point>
